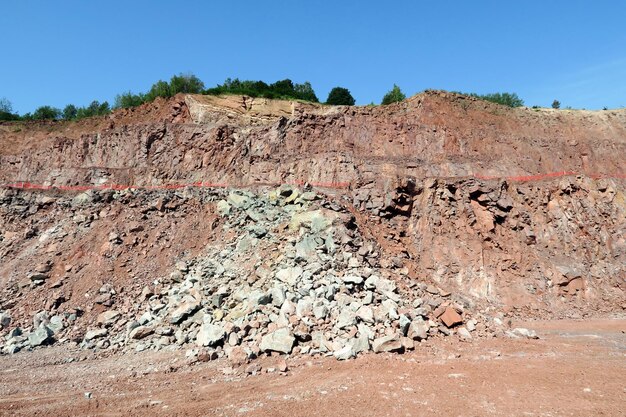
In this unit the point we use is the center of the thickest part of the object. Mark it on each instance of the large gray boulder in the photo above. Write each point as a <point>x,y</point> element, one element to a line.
<point>210,335</point>
<point>280,340</point>
<point>41,336</point>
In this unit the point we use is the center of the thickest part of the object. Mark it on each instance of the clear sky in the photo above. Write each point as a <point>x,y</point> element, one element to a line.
<point>56,52</point>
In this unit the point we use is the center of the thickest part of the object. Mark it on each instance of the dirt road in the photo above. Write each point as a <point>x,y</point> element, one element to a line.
<point>577,368</point>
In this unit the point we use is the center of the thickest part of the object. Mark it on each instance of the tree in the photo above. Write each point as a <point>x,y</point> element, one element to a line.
<point>128,99</point>
<point>340,96</point>
<point>6,110</point>
<point>393,96</point>
<point>5,105</point>
<point>46,113</point>
<point>69,112</point>
<point>305,92</point>
<point>185,83</point>
<point>158,89</point>
<point>556,104</point>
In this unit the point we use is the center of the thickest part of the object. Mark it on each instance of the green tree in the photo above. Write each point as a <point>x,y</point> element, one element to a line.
<point>185,83</point>
<point>556,104</point>
<point>46,113</point>
<point>305,92</point>
<point>393,96</point>
<point>128,99</point>
<point>70,112</point>
<point>5,105</point>
<point>340,96</point>
<point>6,110</point>
<point>158,89</point>
<point>506,99</point>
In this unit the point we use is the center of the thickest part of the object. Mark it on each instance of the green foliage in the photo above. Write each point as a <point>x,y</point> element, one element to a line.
<point>128,99</point>
<point>69,112</point>
<point>340,96</point>
<point>158,89</point>
<point>283,89</point>
<point>6,111</point>
<point>556,104</point>
<point>94,109</point>
<point>393,96</point>
<point>185,83</point>
<point>46,113</point>
<point>506,99</point>
<point>5,105</point>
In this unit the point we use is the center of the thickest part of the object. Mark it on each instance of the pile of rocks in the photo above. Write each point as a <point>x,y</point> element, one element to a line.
<point>298,278</point>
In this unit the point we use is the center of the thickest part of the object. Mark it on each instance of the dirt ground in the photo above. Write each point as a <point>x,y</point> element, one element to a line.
<point>577,368</point>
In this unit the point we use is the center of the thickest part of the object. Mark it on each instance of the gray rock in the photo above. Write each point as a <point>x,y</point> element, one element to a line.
<point>344,353</point>
<point>520,332</point>
<point>280,340</point>
<point>140,332</point>
<point>223,208</point>
<point>210,335</point>
<point>186,308</point>
<point>387,344</point>
<point>404,323</point>
<point>238,200</point>
<point>360,344</point>
<point>107,318</point>
<point>464,333</point>
<point>5,320</point>
<point>418,330</point>
<point>95,334</point>
<point>289,275</point>
<point>345,319</point>
<point>366,314</point>
<point>352,279</point>
<point>56,324</point>
<point>41,336</point>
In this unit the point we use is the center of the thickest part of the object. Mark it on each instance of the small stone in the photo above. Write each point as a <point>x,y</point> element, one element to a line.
<point>464,334</point>
<point>282,366</point>
<point>520,332</point>
<point>182,311</point>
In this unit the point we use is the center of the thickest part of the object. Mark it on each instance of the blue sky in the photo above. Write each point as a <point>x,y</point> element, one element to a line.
<point>56,52</point>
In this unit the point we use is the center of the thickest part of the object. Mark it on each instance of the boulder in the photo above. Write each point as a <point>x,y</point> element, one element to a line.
<point>390,343</point>
<point>280,340</point>
<point>41,336</point>
<point>95,334</point>
<point>108,317</point>
<point>210,335</point>
<point>186,308</point>
<point>450,317</point>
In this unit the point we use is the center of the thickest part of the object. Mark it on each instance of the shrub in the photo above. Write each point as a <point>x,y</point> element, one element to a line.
<point>340,96</point>
<point>556,104</point>
<point>6,110</point>
<point>393,96</point>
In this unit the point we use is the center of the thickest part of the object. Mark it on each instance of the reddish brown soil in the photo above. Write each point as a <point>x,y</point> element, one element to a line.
<point>577,368</point>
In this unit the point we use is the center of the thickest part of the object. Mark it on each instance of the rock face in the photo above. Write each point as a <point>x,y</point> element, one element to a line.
<point>410,224</point>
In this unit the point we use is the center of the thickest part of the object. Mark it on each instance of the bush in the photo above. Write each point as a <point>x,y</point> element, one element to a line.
<point>46,113</point>
<point>393,96</point>
<point>556,104</point>
<point>185,83</point>
<point>340,96</point>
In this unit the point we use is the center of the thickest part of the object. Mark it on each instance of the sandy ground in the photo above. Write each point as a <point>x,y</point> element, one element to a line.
<point>577,368</point>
